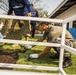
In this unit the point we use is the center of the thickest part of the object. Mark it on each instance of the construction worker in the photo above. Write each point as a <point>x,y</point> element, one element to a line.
<point>51,33</point>
<point>20,8</point>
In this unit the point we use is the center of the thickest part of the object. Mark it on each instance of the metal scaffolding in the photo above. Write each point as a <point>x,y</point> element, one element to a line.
<point>62,45</point>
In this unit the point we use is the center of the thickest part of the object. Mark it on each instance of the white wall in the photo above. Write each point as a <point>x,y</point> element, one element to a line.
<point>71,11</point>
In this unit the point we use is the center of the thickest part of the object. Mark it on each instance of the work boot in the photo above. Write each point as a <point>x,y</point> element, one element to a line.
<point>67,62</point>
<point>56,56</point>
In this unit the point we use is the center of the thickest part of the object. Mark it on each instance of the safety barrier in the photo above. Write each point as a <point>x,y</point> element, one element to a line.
<point>62,45</point>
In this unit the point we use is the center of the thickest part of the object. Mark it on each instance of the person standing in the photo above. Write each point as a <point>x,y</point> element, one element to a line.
<point>34,13</point>
<point>20,8</point>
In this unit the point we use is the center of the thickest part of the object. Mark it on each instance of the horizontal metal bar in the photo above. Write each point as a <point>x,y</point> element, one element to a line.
<point>31,18</point>
<point>72,18</point>
<point>70,49</point>
<point>28,67</point>
<point>9,72</point>
<point>29,42</point>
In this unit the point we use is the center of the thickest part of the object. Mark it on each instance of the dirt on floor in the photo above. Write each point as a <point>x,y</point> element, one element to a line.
<point>9,56</point>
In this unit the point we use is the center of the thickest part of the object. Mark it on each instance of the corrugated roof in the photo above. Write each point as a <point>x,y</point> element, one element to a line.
<point>63,8</point>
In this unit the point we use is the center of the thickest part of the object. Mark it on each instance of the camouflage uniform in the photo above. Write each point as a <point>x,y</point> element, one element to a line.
<point>6,27</point>
<point>11,33</point>
<point>54,33</point>
<point>20,8</point>
<point>17,34</point>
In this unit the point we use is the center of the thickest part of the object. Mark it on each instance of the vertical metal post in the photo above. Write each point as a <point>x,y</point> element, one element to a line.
<point>62,43</point>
